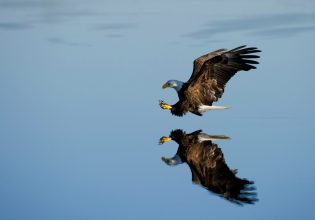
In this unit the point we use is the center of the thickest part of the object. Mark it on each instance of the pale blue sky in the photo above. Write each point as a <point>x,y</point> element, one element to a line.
<point>79,88</point>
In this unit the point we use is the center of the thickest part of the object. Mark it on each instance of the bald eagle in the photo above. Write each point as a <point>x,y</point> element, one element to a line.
<point>207,82</point>
<point>208,167</point>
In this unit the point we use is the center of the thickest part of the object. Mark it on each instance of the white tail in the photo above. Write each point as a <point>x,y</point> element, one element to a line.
<point>204,108</point>
<point>205,137</point>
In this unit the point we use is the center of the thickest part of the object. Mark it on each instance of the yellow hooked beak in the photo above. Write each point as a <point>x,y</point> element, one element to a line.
<point>164,139</point>
<point>165,86</point>
<point>164,105</point>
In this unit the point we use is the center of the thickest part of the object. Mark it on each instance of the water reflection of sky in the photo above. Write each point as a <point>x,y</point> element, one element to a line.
<point>276,25</point>
<point>79,88</point>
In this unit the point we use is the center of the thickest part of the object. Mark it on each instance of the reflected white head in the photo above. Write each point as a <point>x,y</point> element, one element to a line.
<point>173,160</point>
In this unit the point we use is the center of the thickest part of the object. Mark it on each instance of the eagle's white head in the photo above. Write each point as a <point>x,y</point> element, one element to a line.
<point>175,84</point>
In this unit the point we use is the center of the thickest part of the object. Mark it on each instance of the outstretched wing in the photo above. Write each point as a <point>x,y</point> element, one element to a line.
<point>201,60</point>
<point>209,169</point>
<point>207,86</point>
<point>219,178</point>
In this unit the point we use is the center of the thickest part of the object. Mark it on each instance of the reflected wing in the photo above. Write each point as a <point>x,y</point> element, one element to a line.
<point>208,84</point>
<point>210,170</point>
<point>224,181</point>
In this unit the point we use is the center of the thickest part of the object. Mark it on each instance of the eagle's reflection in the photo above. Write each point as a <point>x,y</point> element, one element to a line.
<point>206,162</point>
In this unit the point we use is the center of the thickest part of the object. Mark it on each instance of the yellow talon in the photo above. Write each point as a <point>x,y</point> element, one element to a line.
<point>164,139</point>
<point>164,105</point>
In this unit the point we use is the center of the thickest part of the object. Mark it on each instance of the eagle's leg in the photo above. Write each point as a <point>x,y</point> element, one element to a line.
<point>164,105</point>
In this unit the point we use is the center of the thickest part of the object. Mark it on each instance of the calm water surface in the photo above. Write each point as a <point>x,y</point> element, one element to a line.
<point>80,122</point>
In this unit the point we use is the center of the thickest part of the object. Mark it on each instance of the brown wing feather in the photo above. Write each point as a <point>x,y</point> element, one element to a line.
<point>207,86</point>
<point>201,60</point>
<point>210,170</point>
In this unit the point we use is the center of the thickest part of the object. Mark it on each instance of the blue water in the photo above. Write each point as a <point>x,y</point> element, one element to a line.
<point>80,122</point>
